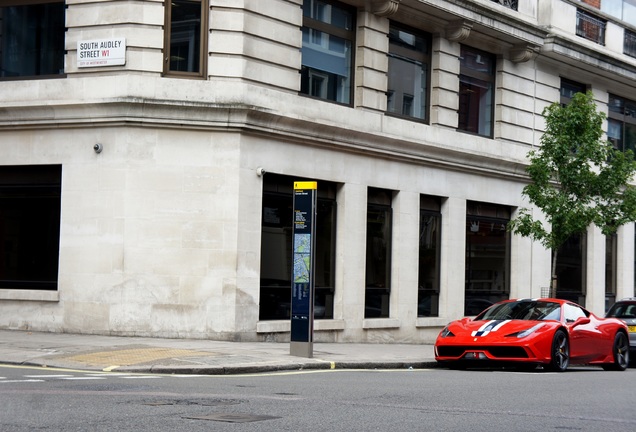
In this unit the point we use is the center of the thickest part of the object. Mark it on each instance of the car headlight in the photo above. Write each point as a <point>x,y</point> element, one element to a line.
<point>446,333</point>
<point>527,332</point>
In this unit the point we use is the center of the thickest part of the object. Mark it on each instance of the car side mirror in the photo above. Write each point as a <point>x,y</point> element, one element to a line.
<point>581,321</point>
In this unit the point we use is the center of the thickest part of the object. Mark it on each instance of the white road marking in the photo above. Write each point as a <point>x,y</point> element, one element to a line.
<point>47,376</point>
<point>21,381</point>
<point>140,377</point>
<point>83,378</point>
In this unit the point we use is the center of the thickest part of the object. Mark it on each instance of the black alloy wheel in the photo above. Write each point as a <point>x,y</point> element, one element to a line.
<point>620,353</point>
<point>560,352</point>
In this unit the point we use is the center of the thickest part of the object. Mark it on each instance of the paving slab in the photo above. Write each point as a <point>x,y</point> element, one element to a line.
<point>198,356</point>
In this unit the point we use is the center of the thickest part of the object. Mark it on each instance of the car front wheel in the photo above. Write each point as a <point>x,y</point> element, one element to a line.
<point>560,352</point>
<point>620,353</point>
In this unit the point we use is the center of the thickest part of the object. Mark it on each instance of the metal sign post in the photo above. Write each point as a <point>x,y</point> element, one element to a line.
<point>302,302</point>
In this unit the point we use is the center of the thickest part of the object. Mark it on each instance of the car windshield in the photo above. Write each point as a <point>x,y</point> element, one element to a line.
<point>523,310</point>
<point>623,310</point>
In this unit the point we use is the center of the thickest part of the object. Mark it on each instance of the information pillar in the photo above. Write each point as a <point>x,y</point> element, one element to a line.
<point>302,302</point>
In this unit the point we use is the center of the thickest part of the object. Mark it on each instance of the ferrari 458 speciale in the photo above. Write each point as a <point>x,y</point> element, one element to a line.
<point>527,333</point>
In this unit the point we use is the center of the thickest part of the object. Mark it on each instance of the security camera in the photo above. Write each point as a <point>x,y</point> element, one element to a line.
<point>260,171</point>
<point>98,148</point>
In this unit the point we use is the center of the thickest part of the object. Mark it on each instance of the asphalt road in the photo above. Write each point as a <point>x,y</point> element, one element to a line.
<point>581,399</point>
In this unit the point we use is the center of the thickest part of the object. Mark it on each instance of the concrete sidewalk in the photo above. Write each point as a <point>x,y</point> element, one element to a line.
<point>196,356</point>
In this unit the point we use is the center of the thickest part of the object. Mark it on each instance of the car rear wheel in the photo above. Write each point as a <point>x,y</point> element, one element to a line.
<point>620,353</point>
<point>560,352</point>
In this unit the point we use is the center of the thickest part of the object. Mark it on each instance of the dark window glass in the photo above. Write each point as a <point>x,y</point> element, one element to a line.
<point>185,31</point>
<point>276,248</point>
<point>327,51</point>
<point>31,39</point>
<point>621,123</point>
<point>29,226</point>
<point>476,91</point>
<point>409,64</point>
<point>569,89</point>
<point>629,42</point>
<point>487,256</point>
<point>429,256</point>
<point>525,309</point>
<point>378,263</point>
<point>624,309</point>
<point>570,270</point>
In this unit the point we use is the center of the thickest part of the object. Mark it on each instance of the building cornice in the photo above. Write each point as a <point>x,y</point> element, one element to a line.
<point>593,61</point>
<point>487,18</point>
<point>160,114</point>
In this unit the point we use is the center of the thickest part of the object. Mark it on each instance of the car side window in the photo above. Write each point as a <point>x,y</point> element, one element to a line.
<point>555,314</point>
<point>572,313</point>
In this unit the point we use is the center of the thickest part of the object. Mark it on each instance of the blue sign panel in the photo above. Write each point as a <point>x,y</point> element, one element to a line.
<point>302,302</point>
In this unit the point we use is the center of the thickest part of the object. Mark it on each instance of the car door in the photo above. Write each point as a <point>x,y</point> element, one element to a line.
<point>584,334</point>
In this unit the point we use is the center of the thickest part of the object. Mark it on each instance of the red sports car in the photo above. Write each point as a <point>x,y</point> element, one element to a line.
<point>530,332</point>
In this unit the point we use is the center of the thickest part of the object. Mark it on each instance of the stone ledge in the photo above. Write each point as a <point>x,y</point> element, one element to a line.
<point>29,295</point>
<point>381,323</point>
<point>431,322</point>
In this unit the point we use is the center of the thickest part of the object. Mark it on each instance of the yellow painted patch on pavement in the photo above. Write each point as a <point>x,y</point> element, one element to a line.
<point>110,368</point>
<point>127,357</point>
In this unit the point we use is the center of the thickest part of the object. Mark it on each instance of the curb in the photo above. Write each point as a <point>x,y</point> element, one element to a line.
<point>251,369</point>
<point>243,369</point>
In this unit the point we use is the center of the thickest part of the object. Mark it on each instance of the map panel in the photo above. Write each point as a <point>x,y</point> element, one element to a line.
<point>302,258</point>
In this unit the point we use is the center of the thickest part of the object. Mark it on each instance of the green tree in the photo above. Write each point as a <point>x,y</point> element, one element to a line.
<point>577,179</point>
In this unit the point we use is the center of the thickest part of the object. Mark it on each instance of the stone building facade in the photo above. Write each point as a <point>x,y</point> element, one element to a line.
<point>148,151</point>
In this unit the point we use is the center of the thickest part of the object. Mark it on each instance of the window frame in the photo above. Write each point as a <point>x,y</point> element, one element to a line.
<point>498,216</point>
<point>629,43</point>
<point>62,74</point>
<point>571,269</point>
<point>32,246</point>
<point>276,253</point>
<point>465,75</point>
<point>413,56</point>
<point>565,99</point>
<point>379,202</point>
<point>203,43</point>
<point>621,119</point>
<point>331,30</point>
<point>430,208</point>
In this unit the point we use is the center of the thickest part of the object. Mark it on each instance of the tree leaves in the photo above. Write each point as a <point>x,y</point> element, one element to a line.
<point>577,178</point>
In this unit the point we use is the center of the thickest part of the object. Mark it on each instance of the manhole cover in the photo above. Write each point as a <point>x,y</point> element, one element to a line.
<point>233,417</point>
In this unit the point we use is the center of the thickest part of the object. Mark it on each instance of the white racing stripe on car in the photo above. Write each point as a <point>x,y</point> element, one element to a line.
<point>490,326</point>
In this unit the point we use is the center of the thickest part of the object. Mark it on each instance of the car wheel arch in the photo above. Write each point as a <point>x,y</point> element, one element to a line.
<point>620,361</point>
<point>560,350</point>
